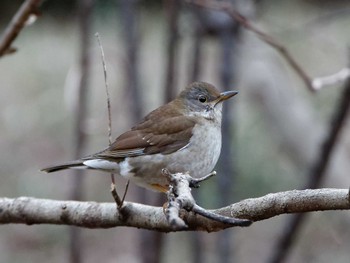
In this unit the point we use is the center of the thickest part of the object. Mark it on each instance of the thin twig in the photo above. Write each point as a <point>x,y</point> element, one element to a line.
<point>107,91</point>
<point>194,182</point>
<point>330,80</point>
<point>114,193</point>
<point>28,8</point>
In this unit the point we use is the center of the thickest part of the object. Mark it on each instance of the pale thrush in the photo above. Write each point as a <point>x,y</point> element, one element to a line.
<point>181,136</point>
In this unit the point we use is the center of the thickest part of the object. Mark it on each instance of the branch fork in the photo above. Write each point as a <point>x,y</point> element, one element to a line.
<point>180,197</point>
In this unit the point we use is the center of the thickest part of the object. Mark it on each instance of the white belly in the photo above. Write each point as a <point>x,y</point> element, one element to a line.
<point>201,156</point>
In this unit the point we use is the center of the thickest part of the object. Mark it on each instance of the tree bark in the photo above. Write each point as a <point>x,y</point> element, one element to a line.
<point>28,210</point>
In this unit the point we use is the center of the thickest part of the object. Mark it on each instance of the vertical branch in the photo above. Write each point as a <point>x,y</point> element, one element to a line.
<point>152,242</point>
<point>28,8</point>
<point>316,176</point>
<point>106,89</point>
<point>114,193</point>
<point>172,8</point>
<point>194,67</point>
<point>149,242</point>
<point>227,162</point>
<point>131,35</point>
<point>85,11</point>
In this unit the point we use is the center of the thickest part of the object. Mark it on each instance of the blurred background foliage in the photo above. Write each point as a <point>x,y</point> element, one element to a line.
<point>277,125</point>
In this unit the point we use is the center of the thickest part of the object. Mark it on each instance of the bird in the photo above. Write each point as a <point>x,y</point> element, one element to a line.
<point>182,136</point>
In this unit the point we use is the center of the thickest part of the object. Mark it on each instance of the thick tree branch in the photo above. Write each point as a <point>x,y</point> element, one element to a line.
<point>27,210</point>
<point>28,8</point>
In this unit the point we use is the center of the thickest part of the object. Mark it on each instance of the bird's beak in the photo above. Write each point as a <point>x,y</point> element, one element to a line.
<point>226,95</point>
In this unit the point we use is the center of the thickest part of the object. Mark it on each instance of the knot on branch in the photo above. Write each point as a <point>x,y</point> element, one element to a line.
<point>180,197</point>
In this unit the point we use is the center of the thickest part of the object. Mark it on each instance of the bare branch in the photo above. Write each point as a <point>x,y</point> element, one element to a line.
<point>80,116</point>
<point>180,197</point>
<point>173,12</point>
<point>21,18</point>
<point>114,193</point>
<point>312,85</point>
<point>27,210</point>
<point>97,35</point>
<point>336,78</point>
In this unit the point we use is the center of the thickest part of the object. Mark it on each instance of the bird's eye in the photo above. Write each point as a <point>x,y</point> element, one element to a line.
<point>202,98</point>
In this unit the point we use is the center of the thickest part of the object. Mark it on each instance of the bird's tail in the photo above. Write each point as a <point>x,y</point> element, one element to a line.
<point>73,164</point>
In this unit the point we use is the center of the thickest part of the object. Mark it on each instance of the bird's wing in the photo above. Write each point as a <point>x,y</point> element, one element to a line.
<point>158,133</point>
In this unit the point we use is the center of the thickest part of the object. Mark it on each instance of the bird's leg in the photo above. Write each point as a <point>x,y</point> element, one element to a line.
<point>125,192</point>
<point>115,195</point>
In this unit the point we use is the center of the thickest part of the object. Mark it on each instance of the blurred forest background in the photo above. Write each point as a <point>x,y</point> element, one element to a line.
<point>53,109</point>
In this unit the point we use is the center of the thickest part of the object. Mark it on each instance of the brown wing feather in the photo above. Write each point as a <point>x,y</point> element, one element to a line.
<point>155,134</point>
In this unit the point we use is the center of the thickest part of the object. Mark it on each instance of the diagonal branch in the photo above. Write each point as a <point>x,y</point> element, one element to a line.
<point>312,85</point>
<point>317,173</point>
<point>28,8</point>
<point>27,210</point>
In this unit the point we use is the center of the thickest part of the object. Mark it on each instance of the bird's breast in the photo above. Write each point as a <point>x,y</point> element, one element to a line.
<point>204,149</point>
<point>202,153</point>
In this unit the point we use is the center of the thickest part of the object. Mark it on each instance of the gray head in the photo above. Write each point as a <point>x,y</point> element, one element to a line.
<point>203,99</point>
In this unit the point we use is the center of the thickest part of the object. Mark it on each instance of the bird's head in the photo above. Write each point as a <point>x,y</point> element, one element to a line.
<point>203,99</point>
